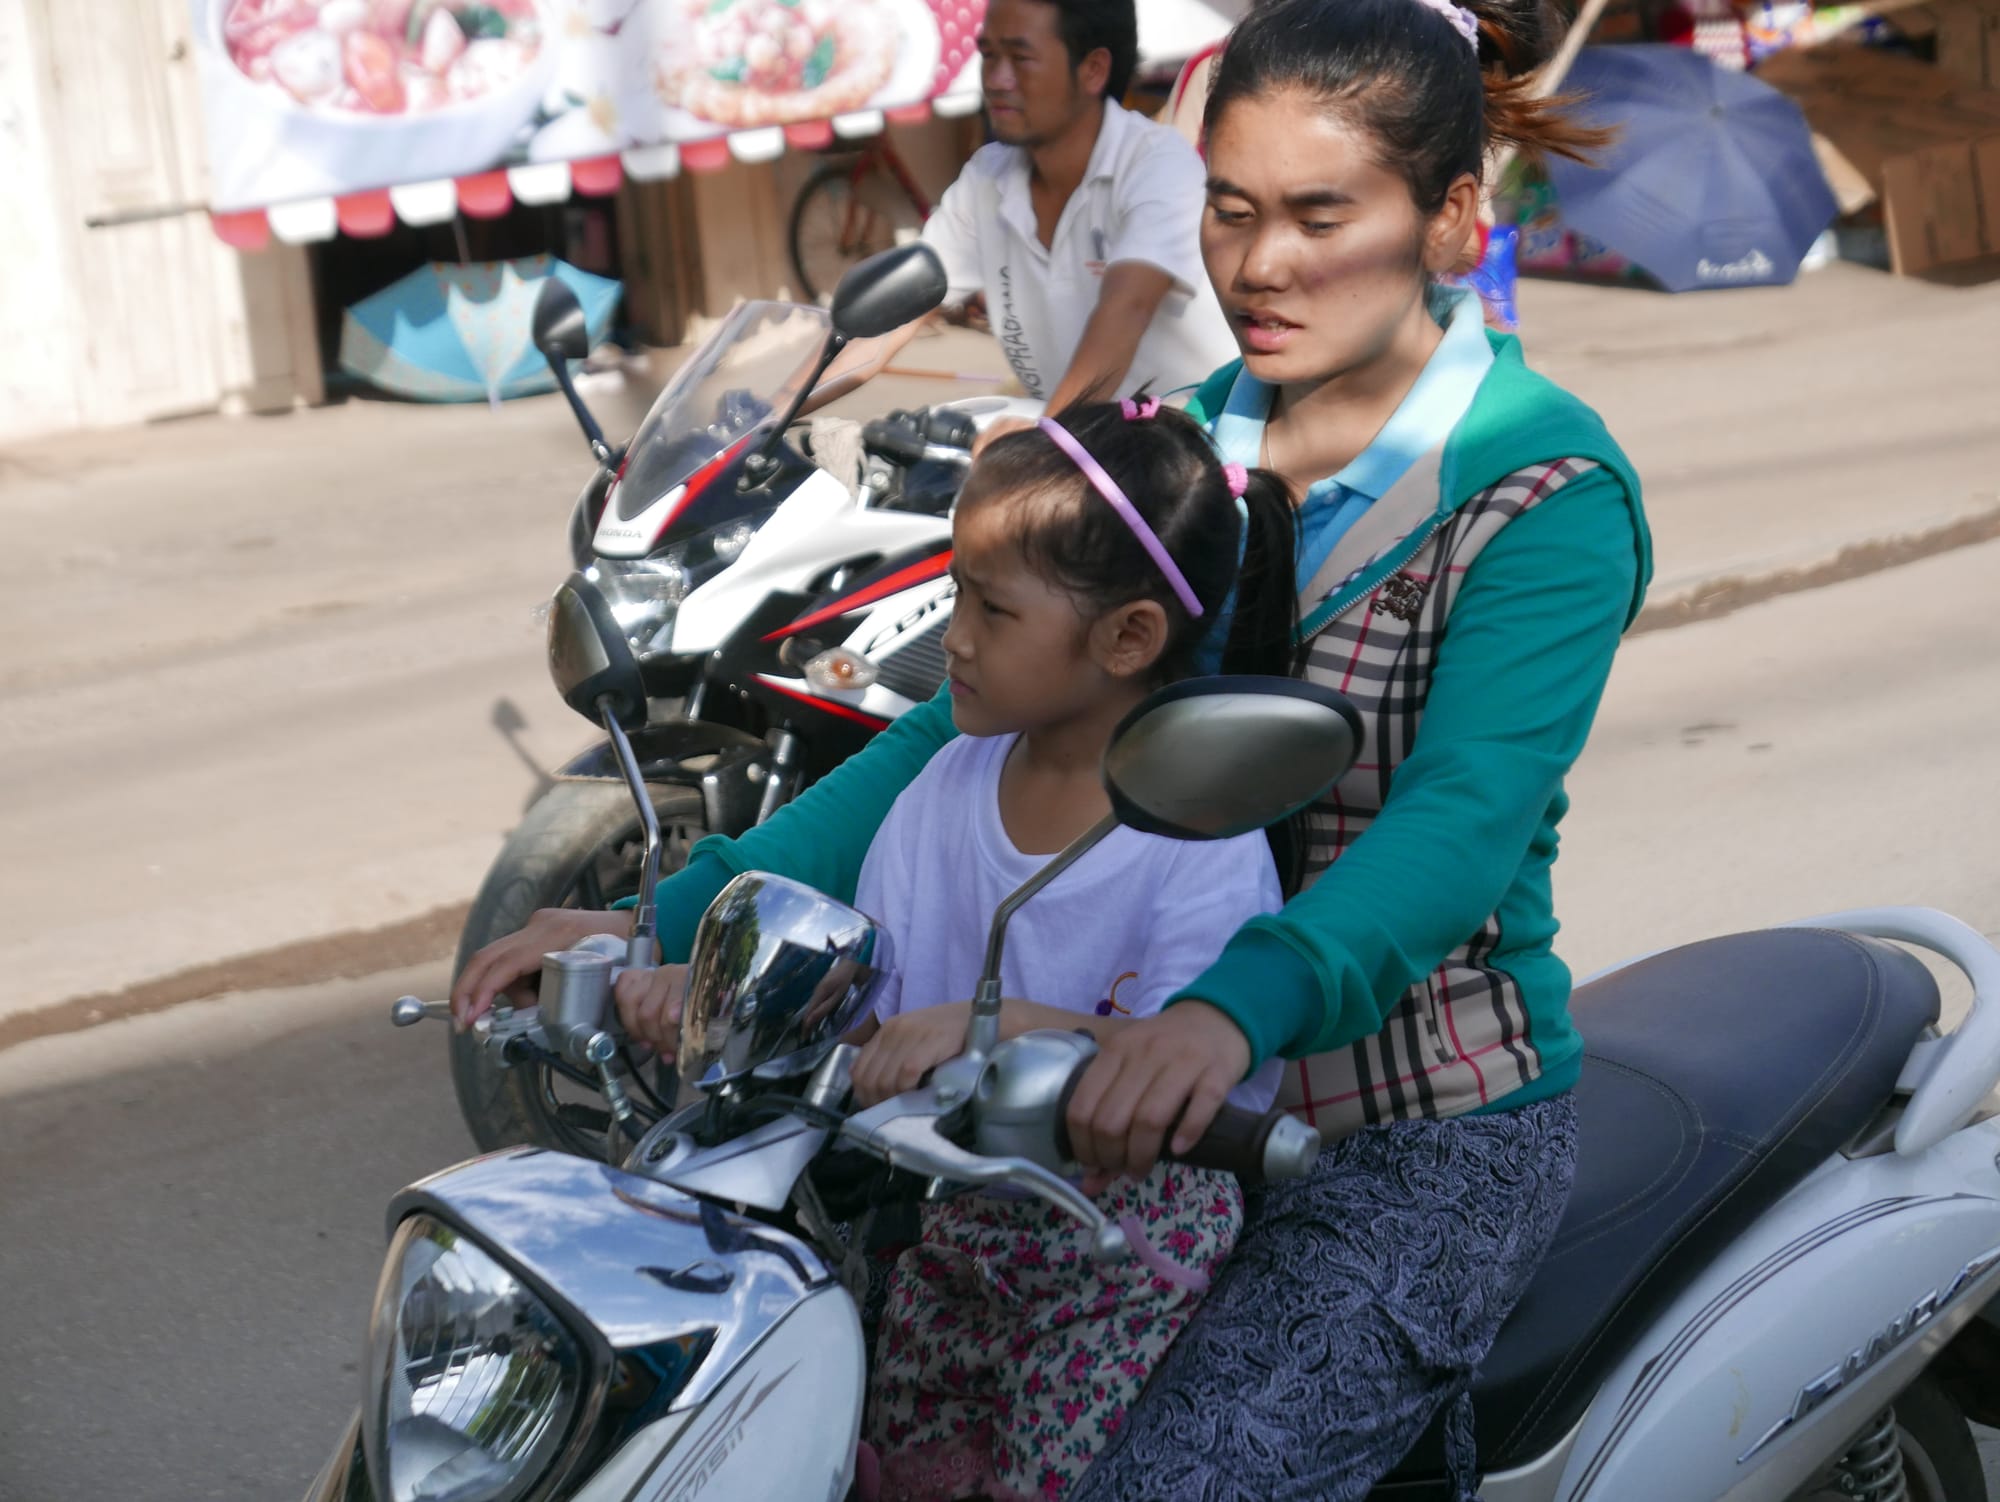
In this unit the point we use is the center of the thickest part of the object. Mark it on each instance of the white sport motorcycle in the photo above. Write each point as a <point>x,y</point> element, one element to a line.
<point>1774,1279</point>
<point>785,596</point>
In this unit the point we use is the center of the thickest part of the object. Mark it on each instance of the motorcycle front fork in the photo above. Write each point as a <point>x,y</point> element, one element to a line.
<point>783,785</point>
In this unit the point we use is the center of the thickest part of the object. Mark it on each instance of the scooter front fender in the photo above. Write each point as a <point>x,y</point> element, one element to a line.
<point>732,784</point>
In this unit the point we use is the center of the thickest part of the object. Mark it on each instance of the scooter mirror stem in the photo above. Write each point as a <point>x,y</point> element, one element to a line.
<point>982,1033</point>
<point>643,953</point>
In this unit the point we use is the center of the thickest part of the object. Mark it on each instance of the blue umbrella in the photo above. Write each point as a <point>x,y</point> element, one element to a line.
<point>448,333</point>
<point>1712,181</point>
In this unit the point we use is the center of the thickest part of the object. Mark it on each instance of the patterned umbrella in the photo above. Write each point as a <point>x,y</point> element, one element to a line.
<point>1712,181</point>
<point>448,333</point>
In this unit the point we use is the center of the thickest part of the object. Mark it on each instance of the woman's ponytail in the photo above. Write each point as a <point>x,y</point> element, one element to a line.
<point>1263,634</point>
<point>1517,38</point>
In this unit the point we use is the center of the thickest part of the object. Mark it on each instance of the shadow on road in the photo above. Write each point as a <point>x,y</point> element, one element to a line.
<point>193,1229</point>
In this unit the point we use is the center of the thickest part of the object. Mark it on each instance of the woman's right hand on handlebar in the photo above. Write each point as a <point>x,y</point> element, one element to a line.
<point>505,961</point>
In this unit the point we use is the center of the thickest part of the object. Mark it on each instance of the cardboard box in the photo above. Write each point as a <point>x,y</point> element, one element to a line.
<point>1968,40</point>
<point>1926,140</point>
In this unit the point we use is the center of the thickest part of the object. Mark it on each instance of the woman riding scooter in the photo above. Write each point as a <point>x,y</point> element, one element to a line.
<point>1473,548</point>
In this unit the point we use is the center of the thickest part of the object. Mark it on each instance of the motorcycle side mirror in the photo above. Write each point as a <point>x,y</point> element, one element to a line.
<point>559,327</point>
<point>887,291</point>
<point>597,674</point>
<point>562,334</point>
<point>1215,758</point>
<point>592,663</point>
<point>876,296</point>
<point>1207,759</point>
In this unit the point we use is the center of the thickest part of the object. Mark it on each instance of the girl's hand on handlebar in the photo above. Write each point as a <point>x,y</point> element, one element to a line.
<point>1170,1072</point>
<point>503,962</point>
<point>649,1005</point>
<point>906,1048</point>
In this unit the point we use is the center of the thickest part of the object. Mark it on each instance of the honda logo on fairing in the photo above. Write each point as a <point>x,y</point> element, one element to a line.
<point>1818,1392</point>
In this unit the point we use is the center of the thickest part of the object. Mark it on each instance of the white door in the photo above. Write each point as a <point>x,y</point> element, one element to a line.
<point>126,143</point>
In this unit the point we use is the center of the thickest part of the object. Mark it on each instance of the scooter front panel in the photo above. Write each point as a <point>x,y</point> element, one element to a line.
<point>630,1264</point>
<point>783,1425</point>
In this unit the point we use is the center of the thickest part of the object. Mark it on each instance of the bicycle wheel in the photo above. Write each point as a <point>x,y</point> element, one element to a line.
<point>847,211</point>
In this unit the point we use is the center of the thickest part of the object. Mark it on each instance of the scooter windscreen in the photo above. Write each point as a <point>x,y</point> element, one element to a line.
<point>740,381</point>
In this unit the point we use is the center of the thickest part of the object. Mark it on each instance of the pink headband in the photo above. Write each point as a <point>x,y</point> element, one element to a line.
<point>1127,512</point>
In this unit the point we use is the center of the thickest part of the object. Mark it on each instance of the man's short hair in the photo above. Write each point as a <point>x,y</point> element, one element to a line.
<point>1087,25</point>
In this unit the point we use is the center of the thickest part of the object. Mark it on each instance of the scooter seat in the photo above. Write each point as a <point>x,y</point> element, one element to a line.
<point>1715,1078</point>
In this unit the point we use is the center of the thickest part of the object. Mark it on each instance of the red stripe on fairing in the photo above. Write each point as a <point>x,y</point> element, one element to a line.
<point>881,589</point>
<point>830,706</point>
<point>695,483</point>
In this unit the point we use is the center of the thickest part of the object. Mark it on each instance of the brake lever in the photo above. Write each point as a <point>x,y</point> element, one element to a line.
<point>906,1131</point>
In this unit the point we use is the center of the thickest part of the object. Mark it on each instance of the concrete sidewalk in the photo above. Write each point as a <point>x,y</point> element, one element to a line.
<point>269,680</point>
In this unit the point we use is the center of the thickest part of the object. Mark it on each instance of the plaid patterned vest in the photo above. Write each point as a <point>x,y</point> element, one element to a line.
<point>1375,614</point>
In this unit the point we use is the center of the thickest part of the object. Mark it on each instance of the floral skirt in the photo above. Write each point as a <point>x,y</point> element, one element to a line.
<point>1008,1356</point>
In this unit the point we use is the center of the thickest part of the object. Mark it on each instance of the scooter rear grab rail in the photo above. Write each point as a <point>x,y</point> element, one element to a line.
<point>1961,1068</point>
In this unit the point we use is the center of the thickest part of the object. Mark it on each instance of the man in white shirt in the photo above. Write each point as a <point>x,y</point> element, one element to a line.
<point>1080,223</point>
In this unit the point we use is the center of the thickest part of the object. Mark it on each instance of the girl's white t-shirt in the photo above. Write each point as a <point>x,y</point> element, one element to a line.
<point>1125,928</point>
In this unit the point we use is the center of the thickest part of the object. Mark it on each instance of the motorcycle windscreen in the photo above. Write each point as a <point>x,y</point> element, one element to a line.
<point>728,394</point>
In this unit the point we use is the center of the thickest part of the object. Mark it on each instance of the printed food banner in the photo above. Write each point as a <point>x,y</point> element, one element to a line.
<point>316,98</point>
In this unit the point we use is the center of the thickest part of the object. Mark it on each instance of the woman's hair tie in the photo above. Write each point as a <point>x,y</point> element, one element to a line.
<point>1141,409</point>
<point>1462,20</point>
<point>1238,478</point>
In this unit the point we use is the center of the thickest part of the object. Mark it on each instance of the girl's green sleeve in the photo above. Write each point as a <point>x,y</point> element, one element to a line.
<point>818,838</point>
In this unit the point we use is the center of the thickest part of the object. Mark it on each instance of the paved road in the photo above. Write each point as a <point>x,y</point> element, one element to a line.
<point>191,1235</point>
<point>277,679</point>
<point>193,1200</point>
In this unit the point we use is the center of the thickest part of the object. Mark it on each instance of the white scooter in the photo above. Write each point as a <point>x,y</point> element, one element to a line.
<point>1773,1281</point>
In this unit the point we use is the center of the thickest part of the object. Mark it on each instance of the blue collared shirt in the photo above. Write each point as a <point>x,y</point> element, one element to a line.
<point>1423,420</point>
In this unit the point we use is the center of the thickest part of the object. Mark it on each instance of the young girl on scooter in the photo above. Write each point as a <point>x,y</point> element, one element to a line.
<point>1092,556</point>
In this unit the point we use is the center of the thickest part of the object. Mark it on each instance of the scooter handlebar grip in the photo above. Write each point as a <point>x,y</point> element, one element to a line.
<point>1257,1148</point>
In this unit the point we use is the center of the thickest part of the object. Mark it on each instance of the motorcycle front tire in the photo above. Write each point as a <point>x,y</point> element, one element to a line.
<point>576,847</point>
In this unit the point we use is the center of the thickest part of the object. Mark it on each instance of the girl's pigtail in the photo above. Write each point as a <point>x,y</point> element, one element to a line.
<point>1263,635</point>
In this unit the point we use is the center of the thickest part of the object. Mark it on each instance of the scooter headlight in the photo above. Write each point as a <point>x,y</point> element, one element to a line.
<point>473,1383</point>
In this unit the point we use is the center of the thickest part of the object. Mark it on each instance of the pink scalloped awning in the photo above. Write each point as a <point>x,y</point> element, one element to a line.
<point>488,195</point>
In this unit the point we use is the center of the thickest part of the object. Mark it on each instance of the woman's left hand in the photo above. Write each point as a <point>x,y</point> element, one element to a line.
<point>907,1048</point>
<point>1166,1073</point>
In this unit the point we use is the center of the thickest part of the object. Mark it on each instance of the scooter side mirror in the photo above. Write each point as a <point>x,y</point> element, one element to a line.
<point>887,291</point>
<point>590,660</point>
<point>1207,759</point>
<point>1214,758</point>
<point>561,332</point>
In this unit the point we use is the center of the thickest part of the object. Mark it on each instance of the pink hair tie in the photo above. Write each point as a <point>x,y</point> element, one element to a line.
<point>1238,478</point>
<point>1462,20</point>
<point>1107,487</point>
<point>1145,409</point>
